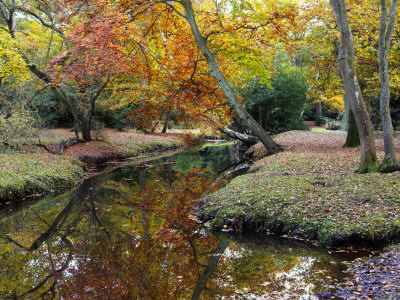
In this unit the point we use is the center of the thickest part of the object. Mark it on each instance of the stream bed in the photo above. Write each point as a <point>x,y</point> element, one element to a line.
<point>131,233</point>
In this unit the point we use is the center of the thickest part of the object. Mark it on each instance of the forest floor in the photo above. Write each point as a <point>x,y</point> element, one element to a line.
<point>311,191</point>
<point>111,144</point>
<point>34,172</point>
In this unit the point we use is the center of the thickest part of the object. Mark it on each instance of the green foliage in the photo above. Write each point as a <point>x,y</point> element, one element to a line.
<point>375,114</point>
<point>278,107</point>
<point>50,109</point>
<point>186,162</point>
<point>320,121</point>
<point>17,128</point>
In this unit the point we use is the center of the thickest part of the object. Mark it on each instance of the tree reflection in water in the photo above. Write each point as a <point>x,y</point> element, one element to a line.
<point>131,233</point>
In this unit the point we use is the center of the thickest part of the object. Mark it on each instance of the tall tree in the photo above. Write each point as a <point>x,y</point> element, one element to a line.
<point>214,25</point>
<point>385,35</point>
<point>352,138</point>
<point>245,118</point>
<point>352,87</point>
<point>87,61</point>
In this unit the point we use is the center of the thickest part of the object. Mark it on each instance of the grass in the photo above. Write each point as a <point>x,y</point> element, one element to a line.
<point>55,135</point>
<point>27,174</point>
<point>311,191</point>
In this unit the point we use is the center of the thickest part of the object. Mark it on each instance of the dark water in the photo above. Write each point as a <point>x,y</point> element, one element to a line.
<point>131,234</point>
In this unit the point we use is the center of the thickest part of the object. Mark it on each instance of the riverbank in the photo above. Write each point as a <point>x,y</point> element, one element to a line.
<point>310,191</point>
<point>28,174</point>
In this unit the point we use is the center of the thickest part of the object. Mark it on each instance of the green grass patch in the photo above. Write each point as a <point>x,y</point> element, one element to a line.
<point>312,196</point>
<point>28,174</point>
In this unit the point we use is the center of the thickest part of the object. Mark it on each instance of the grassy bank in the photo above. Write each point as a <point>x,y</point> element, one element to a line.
<point>23,175</point>
<point>115,143</point>
<point>310,191</point>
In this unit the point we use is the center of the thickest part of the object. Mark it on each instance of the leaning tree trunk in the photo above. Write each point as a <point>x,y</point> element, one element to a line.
<point>166,122</point>
<point>352,138</point>
<point>385,35</point>
<point>349,75</point>
<point>245,118</point>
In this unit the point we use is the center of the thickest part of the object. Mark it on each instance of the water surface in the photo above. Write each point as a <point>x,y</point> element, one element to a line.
<point>131,234</point>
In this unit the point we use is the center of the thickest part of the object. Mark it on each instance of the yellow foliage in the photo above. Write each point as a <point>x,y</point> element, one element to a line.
<point>335,103</point>
<point>11,62</point>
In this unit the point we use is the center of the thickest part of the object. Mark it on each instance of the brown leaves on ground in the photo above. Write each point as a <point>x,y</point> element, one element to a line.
<point>94,147</point>
<point>112,143</point>
<point>376,278</point>
<point>320,141</point>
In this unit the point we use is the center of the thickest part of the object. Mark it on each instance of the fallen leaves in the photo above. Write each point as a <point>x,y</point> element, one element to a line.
<point>375,278</point>
<point>311,190</point>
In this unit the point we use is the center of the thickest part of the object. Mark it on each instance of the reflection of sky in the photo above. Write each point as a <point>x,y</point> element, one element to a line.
<point>233,254</point>
<point>295,278</point>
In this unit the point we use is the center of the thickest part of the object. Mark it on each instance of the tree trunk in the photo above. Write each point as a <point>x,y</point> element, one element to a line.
<point>353,138</point>
<point>318,109</point>
<point>209,270</point>
<point>239,136</point>
<point>349,75</point>
<point>85,130</point>
<point>165,127</point>
<point>385,35</point>
<point>245,118</point>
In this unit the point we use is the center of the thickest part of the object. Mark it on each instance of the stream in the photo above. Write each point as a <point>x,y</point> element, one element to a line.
<point>131,233</point>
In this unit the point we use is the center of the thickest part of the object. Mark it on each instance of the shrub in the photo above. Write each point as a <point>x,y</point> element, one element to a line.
<point>320,121</point>
<point>278,107</point>
<point>17,128</point>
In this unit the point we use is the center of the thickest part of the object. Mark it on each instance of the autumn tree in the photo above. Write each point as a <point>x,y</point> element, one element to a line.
<point>349,75</point>
<point>171,81</point>
<point>224,28</point>
<point>95,58</point>
<point>86,63</point>
<point>318,43</point>
<point>387,24</point>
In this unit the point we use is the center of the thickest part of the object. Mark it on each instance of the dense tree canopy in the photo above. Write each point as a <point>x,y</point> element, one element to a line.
<point>157,62</point>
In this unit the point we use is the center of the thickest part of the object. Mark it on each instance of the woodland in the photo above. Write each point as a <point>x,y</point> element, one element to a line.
<point>310,88</point>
